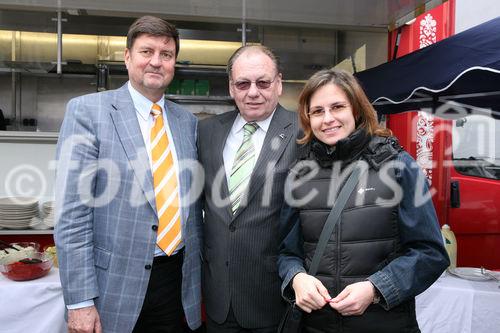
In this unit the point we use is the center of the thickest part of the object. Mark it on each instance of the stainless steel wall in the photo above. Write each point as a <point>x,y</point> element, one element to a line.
<point>45,97</point>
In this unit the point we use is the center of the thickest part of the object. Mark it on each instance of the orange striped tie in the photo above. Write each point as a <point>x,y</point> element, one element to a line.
<point>165,185</point>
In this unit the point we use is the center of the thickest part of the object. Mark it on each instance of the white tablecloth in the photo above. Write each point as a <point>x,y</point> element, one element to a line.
<point>456,305</point>
<point>35,306</point>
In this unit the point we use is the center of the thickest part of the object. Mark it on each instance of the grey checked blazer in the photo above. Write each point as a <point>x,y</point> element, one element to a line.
<point>105,243</point>
<point>241,250</point>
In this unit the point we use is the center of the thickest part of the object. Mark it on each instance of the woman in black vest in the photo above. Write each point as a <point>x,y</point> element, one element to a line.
<point>386,248</point>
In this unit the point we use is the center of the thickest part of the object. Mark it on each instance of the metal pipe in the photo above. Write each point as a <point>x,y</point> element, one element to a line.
<point>59,42</point>
<point>14,114</point>
<point>13,80</point>
<point>244,24</point>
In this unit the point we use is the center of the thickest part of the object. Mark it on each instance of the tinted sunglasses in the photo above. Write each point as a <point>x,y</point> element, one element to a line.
<point>260,84</point>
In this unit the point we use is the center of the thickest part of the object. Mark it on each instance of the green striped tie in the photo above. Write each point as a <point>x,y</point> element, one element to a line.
<point>244,162</point>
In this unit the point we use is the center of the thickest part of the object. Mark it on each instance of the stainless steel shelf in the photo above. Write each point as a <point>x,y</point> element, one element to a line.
<point>194,98</point>
<point>115,67</point>
<point>31,137</point>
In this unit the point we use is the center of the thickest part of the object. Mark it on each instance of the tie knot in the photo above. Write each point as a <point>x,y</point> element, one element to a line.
<point>156,110</point>
<point>250,128</point>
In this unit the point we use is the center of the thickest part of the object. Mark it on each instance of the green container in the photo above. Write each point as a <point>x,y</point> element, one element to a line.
<point>202,88</point>
<point>187,87</point>
<point>174,88</point>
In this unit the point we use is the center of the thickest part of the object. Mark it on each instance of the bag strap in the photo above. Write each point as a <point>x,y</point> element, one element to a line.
<point>334,217</point>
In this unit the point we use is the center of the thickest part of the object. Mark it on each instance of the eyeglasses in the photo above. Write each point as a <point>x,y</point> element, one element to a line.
<point>319,112</point>
<point>260,84</point>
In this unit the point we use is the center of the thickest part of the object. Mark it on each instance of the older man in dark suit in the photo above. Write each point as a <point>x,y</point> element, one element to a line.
<point>246,154</point>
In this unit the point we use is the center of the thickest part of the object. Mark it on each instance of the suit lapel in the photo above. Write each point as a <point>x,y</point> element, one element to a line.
<point>279,133</point>
<point>174,123</point>
<point>220,136</point>
<point>125,121</point>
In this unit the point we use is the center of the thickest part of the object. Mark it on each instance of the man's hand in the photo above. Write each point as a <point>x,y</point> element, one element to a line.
<point>310,293</point>
<point>84,320</point>
<point>354,299</point>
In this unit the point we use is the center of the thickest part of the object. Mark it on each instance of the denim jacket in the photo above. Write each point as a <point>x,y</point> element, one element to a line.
<point>424,257</point>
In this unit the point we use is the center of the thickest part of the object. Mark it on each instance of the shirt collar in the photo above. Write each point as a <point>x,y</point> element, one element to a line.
<point>142,104</point>
<point>263,124</point>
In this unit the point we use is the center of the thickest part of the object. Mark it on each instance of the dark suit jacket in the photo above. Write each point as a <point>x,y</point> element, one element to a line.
<point>240,251</point>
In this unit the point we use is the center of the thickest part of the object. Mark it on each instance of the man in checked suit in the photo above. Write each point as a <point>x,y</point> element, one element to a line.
<point>128,236</point>
<point>246,154</point>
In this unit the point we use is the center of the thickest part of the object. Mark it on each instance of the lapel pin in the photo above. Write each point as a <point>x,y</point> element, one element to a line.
<point>282,136</point>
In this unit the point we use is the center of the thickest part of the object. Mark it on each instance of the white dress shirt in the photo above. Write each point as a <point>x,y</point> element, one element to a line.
<point>235,139</point>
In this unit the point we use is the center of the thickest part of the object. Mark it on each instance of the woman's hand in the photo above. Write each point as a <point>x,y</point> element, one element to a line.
<point>310,293</point>
<point>354,299</point>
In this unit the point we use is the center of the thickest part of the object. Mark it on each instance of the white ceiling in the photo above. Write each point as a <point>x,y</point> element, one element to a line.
<point>334,13</point>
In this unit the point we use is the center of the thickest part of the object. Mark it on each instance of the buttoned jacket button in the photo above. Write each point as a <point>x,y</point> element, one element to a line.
<point>147,266</point>
<point>232,228</point>
<point>154,227</point>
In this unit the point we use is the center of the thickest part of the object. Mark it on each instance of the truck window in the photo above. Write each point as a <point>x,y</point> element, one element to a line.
<point>476,146</point>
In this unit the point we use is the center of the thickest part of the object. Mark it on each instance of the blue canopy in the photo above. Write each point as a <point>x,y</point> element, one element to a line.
<point>461,72</point>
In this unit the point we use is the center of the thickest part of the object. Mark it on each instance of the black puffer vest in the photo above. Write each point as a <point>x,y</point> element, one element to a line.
<point>367,237</point>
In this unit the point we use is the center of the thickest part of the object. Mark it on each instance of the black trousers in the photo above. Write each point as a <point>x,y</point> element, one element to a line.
<point>231,325</point>
<point>162,308</point>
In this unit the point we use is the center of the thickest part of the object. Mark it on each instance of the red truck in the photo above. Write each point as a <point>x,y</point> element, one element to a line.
<point>453,81</point>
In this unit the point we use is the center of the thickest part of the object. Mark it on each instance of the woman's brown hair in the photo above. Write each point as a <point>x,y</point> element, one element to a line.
<point>364,113</point>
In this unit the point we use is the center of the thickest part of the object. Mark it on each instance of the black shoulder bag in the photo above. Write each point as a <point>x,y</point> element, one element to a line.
<point>292,319</point>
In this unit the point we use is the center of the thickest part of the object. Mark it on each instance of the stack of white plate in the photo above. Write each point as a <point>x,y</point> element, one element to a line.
<point>17,212</point>
<point>48,213</point>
